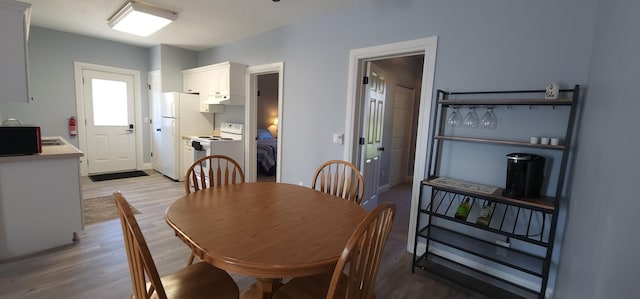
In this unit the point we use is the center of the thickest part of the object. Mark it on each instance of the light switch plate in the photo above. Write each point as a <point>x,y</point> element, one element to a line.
<point>552,91</point>
<point>338,138</point>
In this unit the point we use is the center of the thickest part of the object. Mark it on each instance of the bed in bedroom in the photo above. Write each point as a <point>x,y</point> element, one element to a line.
<point>266,150</point>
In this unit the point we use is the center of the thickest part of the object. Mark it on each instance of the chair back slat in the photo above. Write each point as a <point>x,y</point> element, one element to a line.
<point>361,256</point>
<point>339,178</point>
<point>141,265</point>
<point>222,171</point>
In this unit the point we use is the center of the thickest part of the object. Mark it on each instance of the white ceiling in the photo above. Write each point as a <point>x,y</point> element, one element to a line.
<point>201,24</point>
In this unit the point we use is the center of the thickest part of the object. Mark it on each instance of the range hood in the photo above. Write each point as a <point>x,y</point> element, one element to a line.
<point>225,99</point>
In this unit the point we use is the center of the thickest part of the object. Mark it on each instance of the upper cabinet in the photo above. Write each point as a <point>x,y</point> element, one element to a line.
<point>192,81</point>
<point>222,83</point>
<point>14,24</point>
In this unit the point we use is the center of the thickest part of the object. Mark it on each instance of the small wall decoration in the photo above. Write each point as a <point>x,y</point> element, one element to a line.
<point>552,91</point>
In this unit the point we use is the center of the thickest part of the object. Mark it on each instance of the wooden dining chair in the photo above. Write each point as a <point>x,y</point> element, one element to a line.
<point>222,171</point>
<point>200,280</point>
<point>339,178</point>
<point>355,273</point>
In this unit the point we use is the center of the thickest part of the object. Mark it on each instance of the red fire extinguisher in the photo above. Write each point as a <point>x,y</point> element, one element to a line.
<point>72,127</point>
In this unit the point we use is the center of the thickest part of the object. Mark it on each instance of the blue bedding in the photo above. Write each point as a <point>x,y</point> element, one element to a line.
<point>267,153</point>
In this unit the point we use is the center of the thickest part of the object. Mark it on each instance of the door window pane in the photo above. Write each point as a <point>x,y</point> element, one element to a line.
<point>109,103</point>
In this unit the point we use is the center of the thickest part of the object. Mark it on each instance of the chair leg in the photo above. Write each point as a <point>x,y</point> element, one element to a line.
<point>191,258</point>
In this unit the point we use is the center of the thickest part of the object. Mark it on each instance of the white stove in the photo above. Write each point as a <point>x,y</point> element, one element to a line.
<point>229,143</point>
<point>228,132</point>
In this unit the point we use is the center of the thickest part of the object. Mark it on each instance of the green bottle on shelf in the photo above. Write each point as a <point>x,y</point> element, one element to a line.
<point>463,209</point>
<point>485,214</point>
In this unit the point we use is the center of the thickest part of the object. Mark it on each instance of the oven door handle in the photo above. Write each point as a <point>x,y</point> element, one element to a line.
<point>196,145</point>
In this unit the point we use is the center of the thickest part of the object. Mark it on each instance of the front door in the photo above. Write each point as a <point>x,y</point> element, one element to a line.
<point>372,134</point>
<point>109,113</point>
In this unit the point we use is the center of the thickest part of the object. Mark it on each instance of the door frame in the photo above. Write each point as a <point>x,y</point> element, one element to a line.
<point>357,59</point>
<point>154,120</point>
<point>78,68</point>
<point>250,116</point>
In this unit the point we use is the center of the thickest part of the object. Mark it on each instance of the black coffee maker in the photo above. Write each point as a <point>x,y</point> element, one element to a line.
<point>525,173</point>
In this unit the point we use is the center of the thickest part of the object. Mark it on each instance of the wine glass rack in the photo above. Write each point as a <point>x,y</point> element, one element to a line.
<point>520,233</point>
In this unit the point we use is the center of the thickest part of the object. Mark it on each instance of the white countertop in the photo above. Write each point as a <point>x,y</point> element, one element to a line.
<point>48,151</point>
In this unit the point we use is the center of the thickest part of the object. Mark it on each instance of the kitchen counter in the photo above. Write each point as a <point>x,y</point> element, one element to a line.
<point>40,199</point>
<point>62,150</point>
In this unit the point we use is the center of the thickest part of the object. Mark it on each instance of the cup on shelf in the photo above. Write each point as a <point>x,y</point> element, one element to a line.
<point>533,140</point>
<point>544,140</point>
<point>455,118</point>
<point>489,120</point>
<point>555,141</point>
<point>471,120</point>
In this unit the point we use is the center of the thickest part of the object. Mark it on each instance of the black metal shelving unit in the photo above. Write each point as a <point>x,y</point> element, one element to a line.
<point>528,221</point>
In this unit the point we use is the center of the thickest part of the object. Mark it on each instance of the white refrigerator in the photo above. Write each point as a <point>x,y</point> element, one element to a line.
<point>180,116</point>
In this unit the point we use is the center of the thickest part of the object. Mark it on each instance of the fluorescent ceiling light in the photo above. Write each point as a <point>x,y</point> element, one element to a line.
<point>141,19</point>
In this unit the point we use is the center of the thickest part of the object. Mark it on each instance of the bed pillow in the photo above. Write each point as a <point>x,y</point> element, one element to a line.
<point>264,134</point>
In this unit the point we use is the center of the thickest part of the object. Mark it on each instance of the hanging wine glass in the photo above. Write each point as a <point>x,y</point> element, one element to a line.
<point>471,120</point>
<point>489,119</point>
<point>455,118</point>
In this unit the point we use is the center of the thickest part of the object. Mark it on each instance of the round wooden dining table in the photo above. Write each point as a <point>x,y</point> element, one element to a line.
<point>265,230</point>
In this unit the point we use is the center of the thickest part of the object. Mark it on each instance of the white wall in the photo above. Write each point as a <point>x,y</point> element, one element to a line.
<point>51,57</point>
<point>173,62</point>
<point>601,250</point>
<point>482,45</point>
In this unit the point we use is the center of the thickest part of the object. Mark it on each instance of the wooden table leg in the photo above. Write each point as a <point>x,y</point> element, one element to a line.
<point>263,288</point>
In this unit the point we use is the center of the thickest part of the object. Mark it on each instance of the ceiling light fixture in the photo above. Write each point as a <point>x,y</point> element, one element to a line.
<point>140,18</point>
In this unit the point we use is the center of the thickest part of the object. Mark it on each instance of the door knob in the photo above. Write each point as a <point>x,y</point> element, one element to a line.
<point>381,149</point>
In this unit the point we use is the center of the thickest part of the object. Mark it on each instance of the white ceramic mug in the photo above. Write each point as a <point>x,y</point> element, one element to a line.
<point>555,141</point>
<point>544,140</point>
<point>533,140</point>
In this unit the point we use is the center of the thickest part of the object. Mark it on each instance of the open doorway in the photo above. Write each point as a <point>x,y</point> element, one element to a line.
<point>357,119</point>
<point>267,127</point>
<point>266,79</point>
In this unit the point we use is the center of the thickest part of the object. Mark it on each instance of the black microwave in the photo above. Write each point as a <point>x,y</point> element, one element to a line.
<point>20,140</point>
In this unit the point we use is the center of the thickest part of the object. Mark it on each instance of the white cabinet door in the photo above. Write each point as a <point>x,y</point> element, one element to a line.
<point>13,51</point>
<point>191,82</point>
<point>222,83</point>
<point>218,81</point>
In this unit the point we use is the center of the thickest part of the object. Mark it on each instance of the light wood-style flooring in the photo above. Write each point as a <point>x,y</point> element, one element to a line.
<point>96,266</point>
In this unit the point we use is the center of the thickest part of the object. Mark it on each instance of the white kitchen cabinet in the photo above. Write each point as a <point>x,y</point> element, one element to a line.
<point>40,200</point>
<point>222,83</point>
<point>192,82</point>
<point>14,21</point>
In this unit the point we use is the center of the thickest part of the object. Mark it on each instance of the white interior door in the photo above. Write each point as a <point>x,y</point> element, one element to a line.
<point>109,117</point>
<point>372,132</point>
<point>401,135</point>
